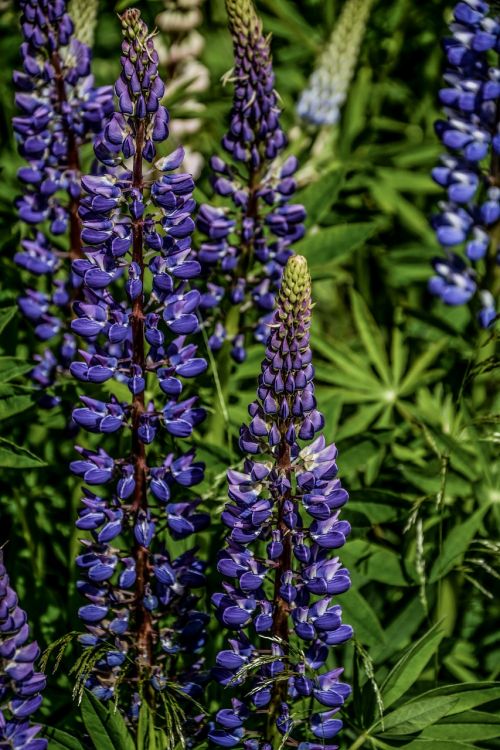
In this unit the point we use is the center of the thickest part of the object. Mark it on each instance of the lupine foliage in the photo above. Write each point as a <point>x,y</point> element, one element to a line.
<point>406,385</point>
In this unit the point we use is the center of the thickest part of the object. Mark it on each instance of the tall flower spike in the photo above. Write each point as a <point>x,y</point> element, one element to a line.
<point>84,16</point>
<point>283,514</point>
<point>326,91</point>
<point>60,110</point>
<point>248,241</point>
<point>20,685</point>
<point>469,217</point>
<point>142,617</point>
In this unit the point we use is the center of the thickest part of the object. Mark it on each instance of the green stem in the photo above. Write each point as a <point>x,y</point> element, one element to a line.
<point>359,742</point>
<point>218,425</point>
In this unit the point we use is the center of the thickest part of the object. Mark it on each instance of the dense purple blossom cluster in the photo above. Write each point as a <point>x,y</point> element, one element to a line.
<point>247,243</point>
<point>20,684</point>
<point>470,172</point>
<point>136,314</point>
<point>60,109</point>
<point>283,515</point>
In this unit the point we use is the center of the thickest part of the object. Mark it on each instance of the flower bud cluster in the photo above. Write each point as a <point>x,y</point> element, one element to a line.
<point>20,684</point>
<point>60,110</point>
<point>248,241</point>
<point>470,131</point>
<point>136,314</point>
<point>326,91</point>
<point>279,601</point>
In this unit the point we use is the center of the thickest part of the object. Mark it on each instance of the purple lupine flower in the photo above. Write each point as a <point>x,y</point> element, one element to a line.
<point>20,684</point>
<point>247,242</point>
<point>280,554</point>
<point>137,312</point>
<point>471,133</point>
<point>60,110</point>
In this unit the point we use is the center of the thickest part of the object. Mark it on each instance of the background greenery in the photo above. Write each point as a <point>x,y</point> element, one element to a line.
<point>408,387</point>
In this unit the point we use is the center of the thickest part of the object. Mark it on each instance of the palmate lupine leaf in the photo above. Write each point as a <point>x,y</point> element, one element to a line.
<point>388,385</point>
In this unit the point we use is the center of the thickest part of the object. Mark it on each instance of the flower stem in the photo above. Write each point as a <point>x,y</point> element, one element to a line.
<point>139,503</point>
<point>73,163</point>
<point>281,609</point>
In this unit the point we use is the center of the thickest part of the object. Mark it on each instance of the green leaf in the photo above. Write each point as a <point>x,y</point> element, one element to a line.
<point>418,714</point>
<point>318,197</point>
<point>456,544</point>
<point>106,728</point>
<point>371,336</point>
<point>467,726</point>
<point>354,117</point>
<point>12,405</point>
<point>13,367</point>
<point>14,456</point>
<point>349,362</point>
<point>410,665</point>
<point>60,740</point>
<point>467,695</point>
<point>330,244</point>
<point>392,202</point>
<point>6,315</point>
<point>379,506</point>
<point>408,180</point>
<point>359,614</point>
<point>148,735</point>
<point>400,630</point>
<point>287,11</point>
<point>420,366</point>
<point>424,743</point>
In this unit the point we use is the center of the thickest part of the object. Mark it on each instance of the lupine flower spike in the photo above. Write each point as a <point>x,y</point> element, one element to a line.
<point>141,616</point>
<point>60,111</point>
<point>470,172</point>
<point>248,241</point>
<point>179,51</point>
<point>321,101</point>
<point>20,685</point>
<point>180,22</point>
<point>279,602</point>
<point>84,16</point>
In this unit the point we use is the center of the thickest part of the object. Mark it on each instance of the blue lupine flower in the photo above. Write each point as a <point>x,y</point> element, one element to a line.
<point>60,110</point>
<point>247,242</point>
<point>471,134</point>
<point>137,234</point>
<point>327,89</point>
<point>284,526</point>
<point>20,685</point>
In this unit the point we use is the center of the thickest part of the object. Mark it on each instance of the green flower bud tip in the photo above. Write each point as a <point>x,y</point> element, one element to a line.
<point>242,16</point>
<point>132,26</point>
<point>296,282</point>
